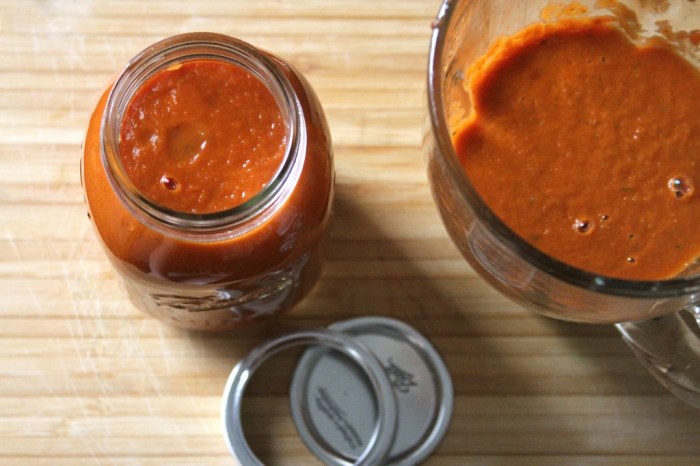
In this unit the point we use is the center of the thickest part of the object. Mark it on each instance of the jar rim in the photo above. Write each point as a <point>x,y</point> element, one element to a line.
<point>674,287</point>
<point>189,47</point>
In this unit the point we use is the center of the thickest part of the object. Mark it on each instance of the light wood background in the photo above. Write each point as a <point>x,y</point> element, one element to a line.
<point>87,379</point>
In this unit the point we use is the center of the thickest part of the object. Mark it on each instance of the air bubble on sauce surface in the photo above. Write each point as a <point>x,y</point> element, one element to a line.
<point>582,225</point>
<point>680,186</point>
<point>169,182</point>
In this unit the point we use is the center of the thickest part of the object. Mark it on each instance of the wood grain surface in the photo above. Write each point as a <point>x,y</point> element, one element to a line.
<point>86,379</point>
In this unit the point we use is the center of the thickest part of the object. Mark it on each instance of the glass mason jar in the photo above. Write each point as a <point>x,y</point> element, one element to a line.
<point>657,318</point>
<point>214,271</point>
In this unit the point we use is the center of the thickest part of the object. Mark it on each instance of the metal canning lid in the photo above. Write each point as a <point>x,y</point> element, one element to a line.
<point>333,404</point>
<point>381,435</point>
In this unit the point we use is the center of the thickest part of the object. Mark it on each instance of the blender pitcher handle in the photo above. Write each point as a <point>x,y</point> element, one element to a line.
<point>669,347</point>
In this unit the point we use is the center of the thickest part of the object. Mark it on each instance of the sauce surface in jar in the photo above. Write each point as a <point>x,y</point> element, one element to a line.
<point>202,137</point>
<point>586,145</point>
<point>240,142</point>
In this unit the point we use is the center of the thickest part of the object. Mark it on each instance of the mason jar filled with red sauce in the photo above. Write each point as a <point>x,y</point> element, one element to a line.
<point>208,175</point>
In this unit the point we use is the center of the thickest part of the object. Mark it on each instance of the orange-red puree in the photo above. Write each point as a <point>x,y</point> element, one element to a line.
<point>202,137</point>
<point>587,146</point>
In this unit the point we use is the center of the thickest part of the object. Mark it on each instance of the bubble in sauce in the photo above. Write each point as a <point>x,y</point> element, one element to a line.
<point>582,225</point>
<point>680,187</point>
<point>169,182</point>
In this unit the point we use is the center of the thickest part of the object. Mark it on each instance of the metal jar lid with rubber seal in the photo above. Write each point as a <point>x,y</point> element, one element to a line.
<point>367,391</point>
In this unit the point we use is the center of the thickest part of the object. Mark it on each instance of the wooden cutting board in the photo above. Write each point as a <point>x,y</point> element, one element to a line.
<point>85,378</point>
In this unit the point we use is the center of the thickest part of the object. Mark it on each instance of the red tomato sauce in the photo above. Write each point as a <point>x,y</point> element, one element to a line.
<point>203,137</point>
<point>288,244</point>
<point>587,146</point>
